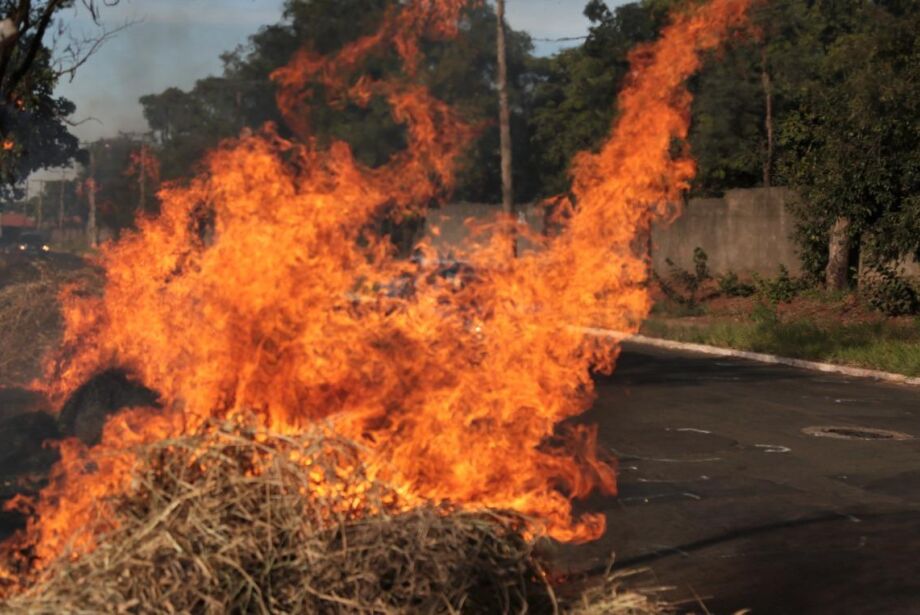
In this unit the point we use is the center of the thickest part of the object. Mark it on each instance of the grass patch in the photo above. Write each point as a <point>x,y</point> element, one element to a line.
<point>886,346</point>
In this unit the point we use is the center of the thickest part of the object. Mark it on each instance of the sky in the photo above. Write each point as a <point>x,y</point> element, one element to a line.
<point>177,42</point>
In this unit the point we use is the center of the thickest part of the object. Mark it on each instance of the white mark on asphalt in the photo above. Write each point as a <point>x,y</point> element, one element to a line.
<point>665,460</point>
<point>773,448</point>
<point>693,430</point>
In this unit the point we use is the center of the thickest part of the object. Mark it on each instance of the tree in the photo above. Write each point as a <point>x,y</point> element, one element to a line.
<point>574,103</point>
<point>36,50</point>
<point>853,151</point>
<point>461,72</point>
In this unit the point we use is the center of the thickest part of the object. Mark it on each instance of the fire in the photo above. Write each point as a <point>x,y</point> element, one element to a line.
<point>8,145</point>
<point>237,297</point>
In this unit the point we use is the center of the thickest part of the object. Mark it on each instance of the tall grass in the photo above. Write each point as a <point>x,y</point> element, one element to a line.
<point>887,346</point>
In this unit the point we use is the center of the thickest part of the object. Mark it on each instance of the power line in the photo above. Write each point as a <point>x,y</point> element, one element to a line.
<point>560,40</point>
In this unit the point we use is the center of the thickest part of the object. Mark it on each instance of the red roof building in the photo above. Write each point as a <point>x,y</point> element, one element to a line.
<point>15,220</point>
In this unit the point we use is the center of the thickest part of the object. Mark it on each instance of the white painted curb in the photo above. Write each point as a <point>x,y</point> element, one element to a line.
<point>831,368</point>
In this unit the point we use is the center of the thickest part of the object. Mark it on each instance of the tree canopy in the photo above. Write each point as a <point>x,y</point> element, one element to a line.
<point>36,51</point>
<point>460,71</point>
<point>819,95</point>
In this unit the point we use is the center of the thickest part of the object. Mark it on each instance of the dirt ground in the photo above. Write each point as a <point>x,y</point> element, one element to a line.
<point>829,309</point>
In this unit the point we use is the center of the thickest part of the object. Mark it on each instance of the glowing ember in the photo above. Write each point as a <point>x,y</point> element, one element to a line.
<point>236,299</point>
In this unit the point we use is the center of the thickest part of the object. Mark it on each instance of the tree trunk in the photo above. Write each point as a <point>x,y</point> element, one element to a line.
<point>768,118</point>
<point>838,262</point>
<point>505,120</point>
<point>91,233</point>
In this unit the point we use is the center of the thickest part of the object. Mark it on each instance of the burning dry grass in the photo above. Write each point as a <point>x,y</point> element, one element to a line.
<point>236,521</point>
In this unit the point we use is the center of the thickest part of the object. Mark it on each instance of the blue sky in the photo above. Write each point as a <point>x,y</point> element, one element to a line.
<point>176,42</point>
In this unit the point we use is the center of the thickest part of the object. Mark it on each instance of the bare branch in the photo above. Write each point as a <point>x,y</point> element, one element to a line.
<point>74,124</point>
<point>79,51</point>
<point>93,7</point>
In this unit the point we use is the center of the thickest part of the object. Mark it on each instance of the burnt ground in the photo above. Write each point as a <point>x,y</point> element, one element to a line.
<point>722,495</point>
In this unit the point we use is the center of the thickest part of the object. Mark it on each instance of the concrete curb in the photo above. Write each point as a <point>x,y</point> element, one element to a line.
<point>831,368</point>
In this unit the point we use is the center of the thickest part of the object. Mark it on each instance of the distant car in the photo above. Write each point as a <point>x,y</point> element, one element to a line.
<point>31,244</point>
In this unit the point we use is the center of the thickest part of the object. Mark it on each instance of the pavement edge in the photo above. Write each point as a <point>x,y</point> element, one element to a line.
<point>832,368</point>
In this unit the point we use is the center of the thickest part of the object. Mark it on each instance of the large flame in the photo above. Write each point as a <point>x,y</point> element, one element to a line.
<point>240,296</point>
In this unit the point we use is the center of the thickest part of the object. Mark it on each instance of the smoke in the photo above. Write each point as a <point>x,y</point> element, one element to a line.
<point>172,43</point>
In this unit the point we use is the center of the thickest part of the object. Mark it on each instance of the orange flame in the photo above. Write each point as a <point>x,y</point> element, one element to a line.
<point>238,297</point>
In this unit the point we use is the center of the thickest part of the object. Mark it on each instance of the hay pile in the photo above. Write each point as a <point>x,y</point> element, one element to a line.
<point>233,522</point>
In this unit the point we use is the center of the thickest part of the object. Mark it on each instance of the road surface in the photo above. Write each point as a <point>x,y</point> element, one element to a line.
<point>725,497</point>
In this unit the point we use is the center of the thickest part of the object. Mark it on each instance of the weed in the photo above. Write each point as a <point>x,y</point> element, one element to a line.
<point>683,287</point>
<point>890,293</point>
<point>730,285</point>
<point>781,289</point>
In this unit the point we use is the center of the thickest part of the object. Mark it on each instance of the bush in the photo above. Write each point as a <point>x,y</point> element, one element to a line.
<point>730,285</point>
<point>781,289</point>
<point>682,286</point>
<point>891,294</point>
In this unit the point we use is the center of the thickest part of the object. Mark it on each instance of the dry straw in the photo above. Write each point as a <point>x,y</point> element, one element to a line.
<point>30,319</point>
<point>236,521</point>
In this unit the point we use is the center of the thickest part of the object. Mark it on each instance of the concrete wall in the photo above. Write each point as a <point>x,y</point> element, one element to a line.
<point>746,231</point>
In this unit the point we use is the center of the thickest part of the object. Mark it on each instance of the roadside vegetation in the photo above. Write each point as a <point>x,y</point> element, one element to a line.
<point>876,327</point>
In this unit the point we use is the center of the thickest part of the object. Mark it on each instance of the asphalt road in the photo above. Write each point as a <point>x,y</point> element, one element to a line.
<point>723,496</point>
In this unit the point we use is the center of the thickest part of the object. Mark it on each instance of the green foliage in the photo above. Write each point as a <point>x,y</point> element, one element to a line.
<point>851,140</point>
<point>842,77</point>
<point>683,287</point>
<point>460,72</point>
<point>730,285</point>
<point>574,104</point>
<point>36,127</point>
<point>34,122</point>
<point>781,289</point>
<point>891,294</point>
<point>879,345</point>
<point>764,315</point>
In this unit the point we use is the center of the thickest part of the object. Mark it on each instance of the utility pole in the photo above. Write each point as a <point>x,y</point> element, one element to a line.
<point>61,204</point>
<point>142,180</point>
<point>41,206</point>
<point>92,236</point>
<point>505,122</point>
